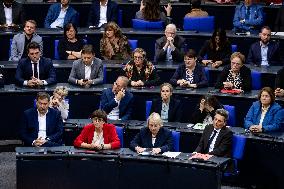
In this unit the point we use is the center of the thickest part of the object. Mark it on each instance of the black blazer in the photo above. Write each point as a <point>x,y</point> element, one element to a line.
<point>174,113</point>
<point>18,14</point>
<point>223,144</point>
<point>279,22</point>
<point>245,75</point>
<point>279,82</point>
<point>143,139</point>
<point>198,116</point>
<point>199,77</point>
<point>1,78</point>
<point>94,14</point>
<point>273,54</point>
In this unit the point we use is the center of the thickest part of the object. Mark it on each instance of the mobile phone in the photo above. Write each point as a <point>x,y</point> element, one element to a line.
<point>85,80</point>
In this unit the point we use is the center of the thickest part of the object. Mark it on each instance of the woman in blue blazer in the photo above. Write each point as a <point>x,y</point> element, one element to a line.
<point>264,115</point>
<point>190,74</point>
<point>154,137</point>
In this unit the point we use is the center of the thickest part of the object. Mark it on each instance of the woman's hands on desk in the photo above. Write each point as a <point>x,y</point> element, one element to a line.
<point>256,128</point>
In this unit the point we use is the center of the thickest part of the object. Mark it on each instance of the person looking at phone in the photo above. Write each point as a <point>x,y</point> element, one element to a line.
<point>117,101</point>
<point>88,70</point>
<point>58,101</point>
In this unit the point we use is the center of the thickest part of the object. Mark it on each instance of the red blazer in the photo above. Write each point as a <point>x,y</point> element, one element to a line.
<point>109,133</point>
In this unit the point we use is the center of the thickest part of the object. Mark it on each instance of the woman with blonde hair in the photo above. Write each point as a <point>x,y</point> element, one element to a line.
<point>58,101</point>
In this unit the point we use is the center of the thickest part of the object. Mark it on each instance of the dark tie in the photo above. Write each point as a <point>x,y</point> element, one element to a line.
<point>35,70</point>
<point>210,140</point>
<point>247,13</point>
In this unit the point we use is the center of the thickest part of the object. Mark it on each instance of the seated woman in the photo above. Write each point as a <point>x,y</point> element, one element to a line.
<point>190,74</point>
<point>154,137</point>
<point>114,45</point>
<point>205,111</point>
<point>167,106</point>
<point>150,11</point>
<point>98,135</point>
<point>235,75</point>
<point>57,101</point>
<point>139,71</point>
<point>69,48</point>
<point>218,49</point>
<point>264,115</point>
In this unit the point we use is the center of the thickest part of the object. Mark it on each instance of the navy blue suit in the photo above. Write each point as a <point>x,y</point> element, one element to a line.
<point>273,54</point>
<point>46,71</point>
<point>199,77</point>
<point>29,127</point>
<point>174,113</point>
<point>72,16</point>
<point>164,140</point>
<point>94,14</point>
<point>125,105</point>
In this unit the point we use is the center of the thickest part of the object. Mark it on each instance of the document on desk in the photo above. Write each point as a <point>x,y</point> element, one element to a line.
<point>205,157</point>
<point>171,154</point>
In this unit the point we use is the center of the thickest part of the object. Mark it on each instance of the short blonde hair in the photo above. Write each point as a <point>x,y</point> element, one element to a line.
<point>156,118</point>
<point>61,90</point>
<point>238,55</point>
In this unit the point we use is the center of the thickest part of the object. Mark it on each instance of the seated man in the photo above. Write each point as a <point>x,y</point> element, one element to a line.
<point>41,126</point>
<point>102,12</point>
<point>1,78</point>
<point>35,71</point>
<point>196,10</point>
<point>60,14</point>
<point>248,17</point>
<point>279,84</point>
<point>21,40</point>
<point>88,70</point>
<point>279,22</point>
<point>264,52</point>
<point>170,46</point>
<point>217,138</point>
<point>12,14</point>
<point>118,101</point>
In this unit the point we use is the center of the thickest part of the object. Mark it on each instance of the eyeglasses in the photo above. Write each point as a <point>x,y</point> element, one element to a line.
<point>138,57</point>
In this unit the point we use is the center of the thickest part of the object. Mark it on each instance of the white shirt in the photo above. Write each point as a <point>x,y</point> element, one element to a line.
<point>263,113</point>
<point>33,71</point>
<point>165,112</point>
<point>60,19</point>
<point>169,56</point>
<point>8,14</point>
<point>264,49</point>
<point>211,147</point>
<point>114,114</point>
<point>153,141</point>
<point>103,14</point>
<point>42,125</point>
<point>98,139</point>
<point>88,70</point>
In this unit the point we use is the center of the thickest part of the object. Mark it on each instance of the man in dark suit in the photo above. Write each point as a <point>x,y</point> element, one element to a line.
<point>102,12</point>
<point>41,125</point>
<point>279,83</point>
<point>264,52</point>
<point>35,71</point>
<point>60,14</point>
<point>169,107</point>
<point>217,138</point>
<point>118,101</point>
<point>12,14</point>
<point>170,47</point>
<point>88,70</point>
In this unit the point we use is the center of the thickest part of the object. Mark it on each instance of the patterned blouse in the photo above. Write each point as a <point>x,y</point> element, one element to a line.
<point>118,49</point>
<point>189,76</point>
<point>236,81</point>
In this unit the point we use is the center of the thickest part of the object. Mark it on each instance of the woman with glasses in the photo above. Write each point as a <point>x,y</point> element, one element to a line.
<point>114,45</point>
<point>98,135</point>
<point>218,50</point>
<point>235,75</point>
<point>139,71</point>
<point>189,74</point>
<point>154,138</point>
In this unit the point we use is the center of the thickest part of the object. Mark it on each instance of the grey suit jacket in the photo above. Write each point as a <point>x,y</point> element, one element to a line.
<point>78,71</point>
<point>18,45</point>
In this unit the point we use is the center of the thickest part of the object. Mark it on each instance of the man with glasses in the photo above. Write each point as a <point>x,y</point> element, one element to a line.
<point>117,102</point>
<point>35,71</point>
<point>21,40</point>
<point>169,47</point>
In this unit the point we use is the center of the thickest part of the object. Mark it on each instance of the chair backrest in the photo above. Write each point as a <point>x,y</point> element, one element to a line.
<point>256,80</point>
<point>206,70</point>
<point>239,142</point>
<point>148,108</point>
<point>10,49</point>
<point>104,73</point>
<point>119,17</point>
<point>119,131</point>
<point>147,25</point>
<point>201,24</point>
<point>234,48</point>
<point>176,137</point>
<point>133,44</point>
<point>56,54</point>
<point>232,115</point>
